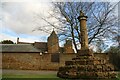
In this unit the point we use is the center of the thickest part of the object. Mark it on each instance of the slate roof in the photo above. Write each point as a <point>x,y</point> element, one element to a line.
<point>18,48</point>
<point>41,46</point>
<point>24,43</point>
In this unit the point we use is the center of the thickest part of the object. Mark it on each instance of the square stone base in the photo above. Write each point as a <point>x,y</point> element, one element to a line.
<point>86,52</point>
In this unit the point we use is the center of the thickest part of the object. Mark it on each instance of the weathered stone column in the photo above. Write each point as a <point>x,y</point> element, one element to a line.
<point>83,29</point>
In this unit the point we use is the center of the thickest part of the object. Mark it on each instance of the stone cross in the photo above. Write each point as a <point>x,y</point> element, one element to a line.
<point>83,29</point>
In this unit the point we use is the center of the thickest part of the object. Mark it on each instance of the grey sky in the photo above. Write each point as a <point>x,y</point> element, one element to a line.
<point>20,18</point>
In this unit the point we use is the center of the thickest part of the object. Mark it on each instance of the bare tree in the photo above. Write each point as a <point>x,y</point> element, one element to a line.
<point>101,20</point>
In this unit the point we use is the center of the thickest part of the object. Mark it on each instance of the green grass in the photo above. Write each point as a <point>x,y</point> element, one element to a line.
<point>29,76</point>
<point>118,76</point>
<point>47,76</point>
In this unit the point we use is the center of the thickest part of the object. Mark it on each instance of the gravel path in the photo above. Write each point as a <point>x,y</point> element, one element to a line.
<point>27,72</point>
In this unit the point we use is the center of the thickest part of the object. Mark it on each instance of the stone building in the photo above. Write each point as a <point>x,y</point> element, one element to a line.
<point>53,44</point>
<point>24,55</point>
<point>68,47</point>
<point>27,55</point>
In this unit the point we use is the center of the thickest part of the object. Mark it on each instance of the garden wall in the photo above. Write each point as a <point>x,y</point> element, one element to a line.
<point>35,61</point>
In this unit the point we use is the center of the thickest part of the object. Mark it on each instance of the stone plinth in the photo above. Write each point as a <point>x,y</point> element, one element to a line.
<point>86,66</point>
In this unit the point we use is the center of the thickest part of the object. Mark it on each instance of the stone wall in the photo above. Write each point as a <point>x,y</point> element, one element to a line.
<point>102,55</point>
<point>20,60</point>
<point>33,61</point>
<point>66,57</point>
<point>0,60</point>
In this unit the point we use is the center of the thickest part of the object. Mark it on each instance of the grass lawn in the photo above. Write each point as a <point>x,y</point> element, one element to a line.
<point>30,76</point>
<point>119,76</point>
<point>45,76</point>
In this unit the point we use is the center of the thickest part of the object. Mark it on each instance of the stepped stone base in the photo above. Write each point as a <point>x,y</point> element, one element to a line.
<point>86,66</point>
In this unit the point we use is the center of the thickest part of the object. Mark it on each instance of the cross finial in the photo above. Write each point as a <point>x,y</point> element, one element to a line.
<point>81,13</point>
<point>53,29</point>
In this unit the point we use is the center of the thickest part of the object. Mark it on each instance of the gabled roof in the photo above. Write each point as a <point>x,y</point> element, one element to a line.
<point>18,48</point>
<point>53,34</point>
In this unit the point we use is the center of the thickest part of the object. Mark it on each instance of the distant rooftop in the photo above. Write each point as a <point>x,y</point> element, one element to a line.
<point>18,48</point>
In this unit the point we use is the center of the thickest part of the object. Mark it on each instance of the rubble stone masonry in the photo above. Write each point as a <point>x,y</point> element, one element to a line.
<point>33,61</point>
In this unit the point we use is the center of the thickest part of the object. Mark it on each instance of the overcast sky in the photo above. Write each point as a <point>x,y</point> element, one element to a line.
<point>19,19</point>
